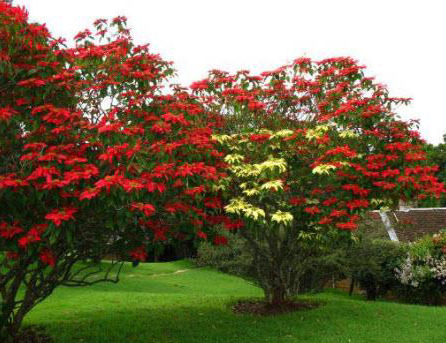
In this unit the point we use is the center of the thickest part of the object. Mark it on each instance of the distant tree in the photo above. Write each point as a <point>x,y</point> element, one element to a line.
<point>437,155</point>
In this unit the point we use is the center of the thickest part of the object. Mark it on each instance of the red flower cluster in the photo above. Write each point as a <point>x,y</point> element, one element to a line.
<point>139,254</point>
<point>220,240</point>
<point>57,216</point>
<point>147,209</point>
<point>47,257</point>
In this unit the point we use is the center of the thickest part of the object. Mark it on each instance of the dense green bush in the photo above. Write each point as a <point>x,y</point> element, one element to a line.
<point>322,268</point>
<point>236,258</point>
<point>371,264</point>
<point>232,258</point>
<point>414,273</point>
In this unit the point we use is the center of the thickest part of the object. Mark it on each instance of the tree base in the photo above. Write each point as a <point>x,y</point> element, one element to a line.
<point>263,308</point>
<point>32,334</point>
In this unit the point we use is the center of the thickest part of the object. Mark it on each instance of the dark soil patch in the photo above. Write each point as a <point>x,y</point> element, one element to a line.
<point>33,334</point>
<point>262,308</point>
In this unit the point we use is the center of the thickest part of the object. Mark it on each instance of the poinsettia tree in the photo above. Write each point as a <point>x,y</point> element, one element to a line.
<point>310,147</point>
<point>96,159</point>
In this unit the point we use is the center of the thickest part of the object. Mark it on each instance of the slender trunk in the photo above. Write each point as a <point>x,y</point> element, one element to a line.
<point>8,306</point>
<point>352,286</point>
<point>7,309</point>
<point>4,332</point>
<point>10,322</point>
<point>14,327</point>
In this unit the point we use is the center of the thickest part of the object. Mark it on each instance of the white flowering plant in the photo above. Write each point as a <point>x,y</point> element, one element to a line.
<point>422,274</point>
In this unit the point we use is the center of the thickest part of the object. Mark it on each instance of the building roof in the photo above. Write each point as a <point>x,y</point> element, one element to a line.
<point>406,225</point>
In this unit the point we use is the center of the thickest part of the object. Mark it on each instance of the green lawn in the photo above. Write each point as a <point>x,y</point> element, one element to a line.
<point>152,303</point>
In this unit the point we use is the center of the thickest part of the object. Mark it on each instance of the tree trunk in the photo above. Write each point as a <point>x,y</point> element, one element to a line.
<point>277,296</point>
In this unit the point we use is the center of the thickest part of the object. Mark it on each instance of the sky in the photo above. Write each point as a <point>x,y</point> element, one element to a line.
<point>400,42</point>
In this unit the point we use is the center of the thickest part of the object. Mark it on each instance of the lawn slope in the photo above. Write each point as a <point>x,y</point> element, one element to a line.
<point>175,302</point>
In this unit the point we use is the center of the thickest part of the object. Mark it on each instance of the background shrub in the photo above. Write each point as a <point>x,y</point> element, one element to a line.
<point>236,258</point>
<point>422,273</point>
<point>371,264</point>
<point>232,258</point>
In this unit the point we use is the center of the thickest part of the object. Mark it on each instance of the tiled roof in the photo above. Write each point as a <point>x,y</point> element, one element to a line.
<point>409,224</point>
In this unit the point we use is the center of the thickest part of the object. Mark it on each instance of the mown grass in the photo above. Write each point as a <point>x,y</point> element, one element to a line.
<point>152,303</point>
